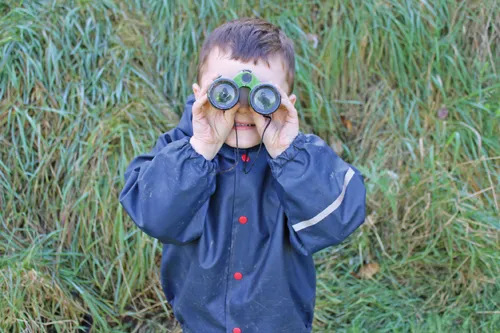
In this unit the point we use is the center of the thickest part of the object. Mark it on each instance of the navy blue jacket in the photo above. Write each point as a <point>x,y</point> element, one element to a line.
<point>237,248</point>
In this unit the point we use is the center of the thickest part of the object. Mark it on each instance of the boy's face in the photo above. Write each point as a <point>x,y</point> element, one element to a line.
<point>219,62</point>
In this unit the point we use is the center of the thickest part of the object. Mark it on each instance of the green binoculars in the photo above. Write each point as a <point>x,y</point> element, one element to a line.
<point>224,93</point>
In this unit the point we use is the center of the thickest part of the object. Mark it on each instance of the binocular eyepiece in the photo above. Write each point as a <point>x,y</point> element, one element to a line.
<point>224,93</point>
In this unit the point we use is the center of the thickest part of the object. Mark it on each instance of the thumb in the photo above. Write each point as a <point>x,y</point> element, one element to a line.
<point>260,122</point>
<point>198,105</point>
<point>230,114</point>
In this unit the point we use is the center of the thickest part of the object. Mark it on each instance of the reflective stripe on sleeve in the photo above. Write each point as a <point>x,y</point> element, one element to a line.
<point>328,210</point>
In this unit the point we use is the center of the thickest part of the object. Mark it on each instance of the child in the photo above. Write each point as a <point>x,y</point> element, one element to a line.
<point>239,226</point>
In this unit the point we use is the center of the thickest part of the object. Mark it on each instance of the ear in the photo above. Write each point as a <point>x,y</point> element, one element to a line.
<point>196,90</point>
<point>292,99</point>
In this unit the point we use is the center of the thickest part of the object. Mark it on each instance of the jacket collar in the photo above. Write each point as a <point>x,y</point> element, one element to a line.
<point>229,152</point>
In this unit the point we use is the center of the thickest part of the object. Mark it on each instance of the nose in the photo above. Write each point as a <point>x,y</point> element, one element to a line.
<point>244,97</point>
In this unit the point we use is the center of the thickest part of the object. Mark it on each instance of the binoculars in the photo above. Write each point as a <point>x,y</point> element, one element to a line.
<point>224,93</point>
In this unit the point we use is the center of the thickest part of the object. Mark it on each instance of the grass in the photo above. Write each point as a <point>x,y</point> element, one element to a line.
<point>408,91</point>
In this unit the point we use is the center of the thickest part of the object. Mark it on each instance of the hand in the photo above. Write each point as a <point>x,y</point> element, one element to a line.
<point>211,126</point>
<point>284,126</point>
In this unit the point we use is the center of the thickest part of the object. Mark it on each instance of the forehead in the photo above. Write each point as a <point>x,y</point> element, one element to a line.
<point>219,62</point>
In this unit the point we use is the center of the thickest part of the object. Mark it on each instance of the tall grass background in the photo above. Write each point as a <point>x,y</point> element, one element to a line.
<point>408,91</point>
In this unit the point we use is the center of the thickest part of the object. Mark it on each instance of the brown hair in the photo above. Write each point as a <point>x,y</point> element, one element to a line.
<point>250,39</point>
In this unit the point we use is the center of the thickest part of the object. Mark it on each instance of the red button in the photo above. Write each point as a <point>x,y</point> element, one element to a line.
<point>236,330</point>
<point>243,219</point>
<point>238,276</point>
<point>245,158</point>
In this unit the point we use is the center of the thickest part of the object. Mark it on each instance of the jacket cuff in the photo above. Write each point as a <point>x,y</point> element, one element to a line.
<point>289,154</point>
<point>187,151</point>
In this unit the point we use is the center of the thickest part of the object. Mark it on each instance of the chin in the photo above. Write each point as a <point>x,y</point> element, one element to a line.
<point>245,140</point>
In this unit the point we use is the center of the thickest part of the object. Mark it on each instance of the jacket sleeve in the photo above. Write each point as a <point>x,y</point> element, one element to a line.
<point>323,197</point>
<point>167,190</point>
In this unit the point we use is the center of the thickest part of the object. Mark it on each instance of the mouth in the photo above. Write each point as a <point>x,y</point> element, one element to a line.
<point>236,124</point>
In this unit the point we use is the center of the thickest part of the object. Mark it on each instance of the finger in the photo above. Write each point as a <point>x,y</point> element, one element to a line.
<point>198,104</point>
<point>285,101</point>
<point>260,122</point>
<point>205,86</point>
<point>283,94</point>
<point>196,89</point>
<point>230,114</point>
<point>292,111</point>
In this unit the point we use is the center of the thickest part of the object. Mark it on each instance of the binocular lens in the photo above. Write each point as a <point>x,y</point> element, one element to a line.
<point>265,99</point>
<point>223,95</point>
